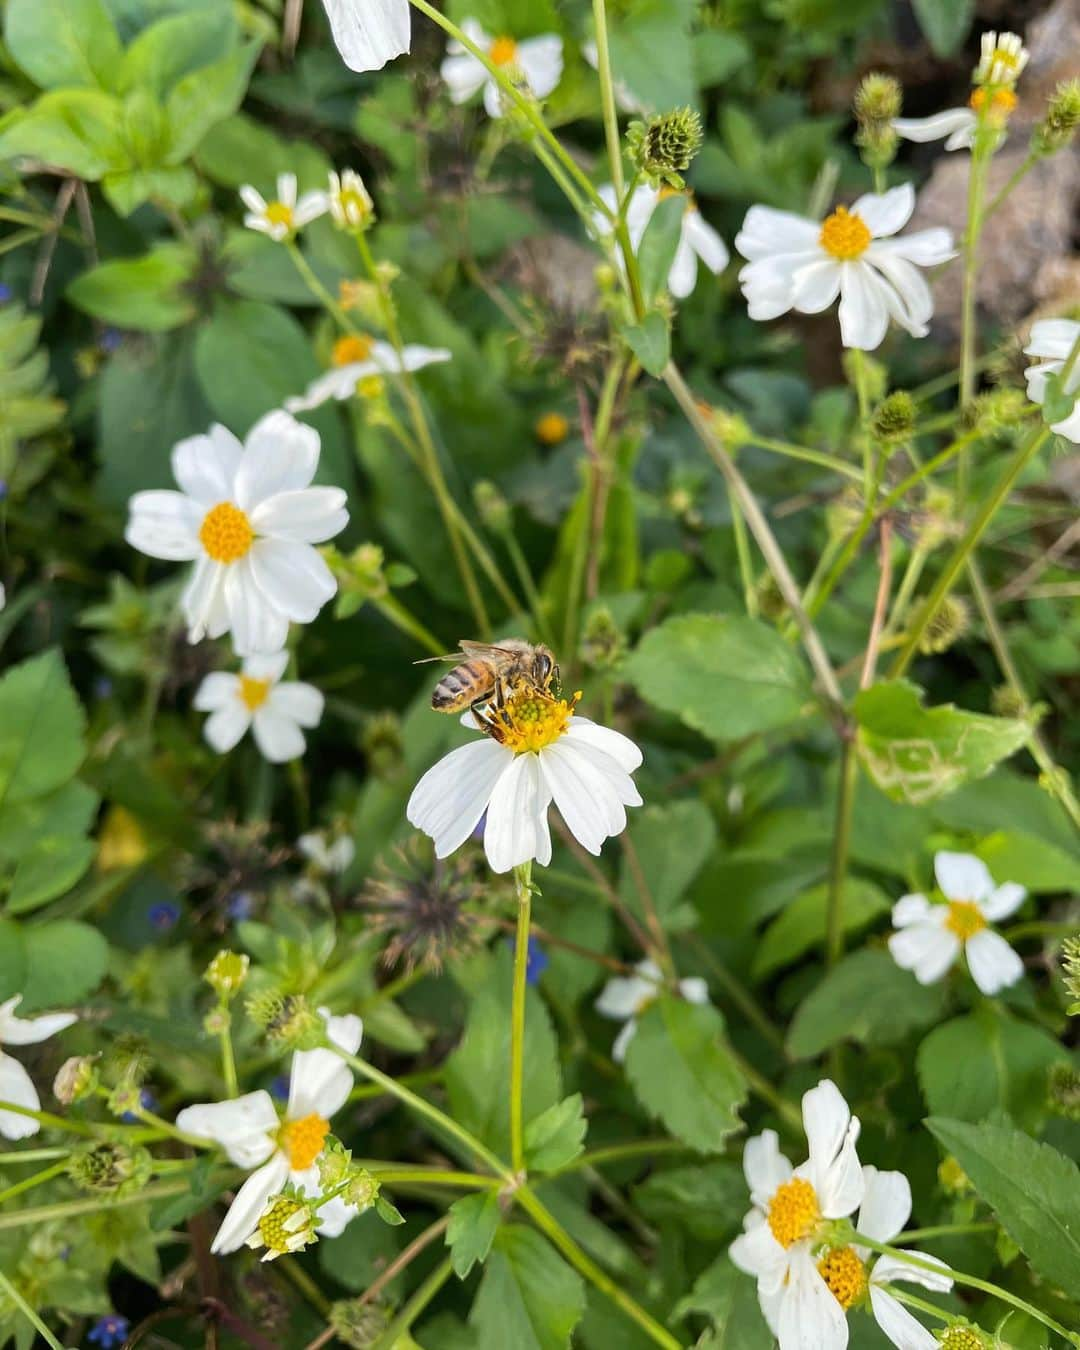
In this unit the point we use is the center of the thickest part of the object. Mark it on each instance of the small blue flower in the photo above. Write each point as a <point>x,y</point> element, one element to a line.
<point>279,1087</point>
<point>103,687</point>
<point>239,906</point>
<point>147,1101</point>
<point>3,488</point>
<point>164,915</point>
<point>536,961</point>
<point>109,1331</point>
<point>5,292</point>
<point>110,339</point>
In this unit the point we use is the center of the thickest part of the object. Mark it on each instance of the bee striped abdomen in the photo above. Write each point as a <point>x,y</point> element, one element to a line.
<point>461,687</point>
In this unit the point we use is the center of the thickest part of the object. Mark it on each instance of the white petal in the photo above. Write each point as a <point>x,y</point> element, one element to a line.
<point>890,1269</point>
<point>164,524</point>
<point>334,1217</point>
<point>319,1083</point>
<point>339,383</point>
<point>694,989</point>
<point>1052,338</point>
<point>31,1030</point>
<point>369,33</point>
<point>301,703</point>
<point>927,248</point>
<point>624,994</point>
<point>764,1166</point>
<point>864,315</point>
<point>226,728</point>
<point>590,790</point>
<point>935,128</point>
<point>451,797</point>
<point>758,1253</point>
<point>910,909</point>
<point>345,1031</point>
<point>278,737</point>
<point>926,949</point>
<point>810,1317</point>
<point>815,286</point>
<point>898,1324</point>
<point>992,962</point>
<point>204,466</point>
<point>1003,901</point>
<point>286,189</point>
<point>463,75</point>
<point>203,600</point>
<point>256,625</point>
<point>308,515</point>
<point>541,58</point>
<point>621,748</point>
<point>244,1212</point>
<point>705,241</point>
<point>826,1117</point>
<point>962,876</point>
<point>493,100</point>
<point>267,666</point>
<point>682,278</point>
<point>913,305</point>
<point>832,1133</point>
<point>280,455</point>
<point>292,578</point>
<point>886,1204</point>
<point>417,357</point>
<point>253,200</point>
<point>513,834</point>
<point>886,214</point>
<point>242,1126</point>
<point>621,1044</point>
<point>769,283</point>
<point>219,689</point>
<point>17,1087</point>
<point>766,232</point>
<point>310,207</point>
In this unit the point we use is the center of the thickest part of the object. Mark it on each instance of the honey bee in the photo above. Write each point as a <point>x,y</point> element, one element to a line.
<point>490,672</point>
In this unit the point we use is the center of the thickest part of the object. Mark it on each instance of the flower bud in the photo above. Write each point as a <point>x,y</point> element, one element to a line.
<point>729,428</point>
<point>551,429</point>
<point>217,1021</point>
<point>288,1020</point>
<point>601,642</point>
<point>227,972</point>
<point>1063,1091</point>
<point>894,417</point>
<point>947,625</point>
<point>952,1178</point>
<point>878,98</point>
<point>358,1324</point>
<point>663,148</point>
<point>1057,129</point>
<point>492,507</point>
<point>287,1224</point>
<point>1006,702</point>
<point>110,1167</point>
<point>362,1190</point>
<point>76,1079</point>
<point>963,1336</point>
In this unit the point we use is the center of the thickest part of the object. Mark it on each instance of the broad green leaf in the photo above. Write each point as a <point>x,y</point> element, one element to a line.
<point>557,1136</point>
<point>12,959</point>
<point>945,23</point>
<point>529,1298</point>
<point>1036,863</point>
<point>65,813</point>
<point>917,754</point>
<point>866,998</point>
<point>656,84</point>
<point>152,293</point>
<point>79,130</point>
<point>47,870</point>
<point>986,1061</point>
<point>388,1023</point>
<point>41,729</point>
<point>679,1066</point>
<point>177,45</point>
<point>802,924</point>
<point>1033,1189</point>
<point>707,1199</point>
<point>671,845</point>
<point>207,96</point>
<point>65,961</point>
<point>650,341</point>
<point>63,43</point>
<point>131,188</point>
<point>364,1250</point>
<point>474,1220</point>
<point>725,677</point>
<point>659,243</point>
<point>728,1299</point>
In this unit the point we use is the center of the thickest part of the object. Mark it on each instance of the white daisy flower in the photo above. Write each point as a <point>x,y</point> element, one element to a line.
<point>356,360</point>
<point>16,1085</point>
<point>626,998</point>
<point>536,751</point>
<point>536,63</point>
<point>801,264</point>
<point>349,201</point>
<point>1052,340</point>
<point>247,517</point>
<point>368,33</point>
<point>333,857</point>
<point>258,700</point>
<point>956,126</point>
<point>932,937</point>
<point>1002,59</point>
<point>697,241</point>
<point>282,217</point>
<point>790,1208</point>
<point>885,1210</point>
<point>275,1150</point>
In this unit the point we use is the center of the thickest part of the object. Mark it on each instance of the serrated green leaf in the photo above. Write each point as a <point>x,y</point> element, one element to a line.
<point>725,677</point>
<point>474,1221</point>
<point>671,844</point>
<point>41,729</point>
<point>680,1069</point>
<point>729,1300</point>
<point>63,43</point>
<point>917,754</point>
<point>150,294</point>
<point>650,341</point>
<point>529,1298</point>
<point>556,1136</point>
<point>1033,1189</point>
<point>802,924</point>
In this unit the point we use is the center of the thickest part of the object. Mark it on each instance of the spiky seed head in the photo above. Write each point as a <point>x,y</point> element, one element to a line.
<point>895,416</point>
<point>664,148</point>
<point>1057,129</point>
<point>110,1167</point>
<point>878,98</point>
<point>948,624</point>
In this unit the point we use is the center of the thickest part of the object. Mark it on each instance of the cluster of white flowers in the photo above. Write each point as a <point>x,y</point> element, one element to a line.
<point>807,1279</point>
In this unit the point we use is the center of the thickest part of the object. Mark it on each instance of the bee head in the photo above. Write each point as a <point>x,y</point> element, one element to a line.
<point>545,670</point>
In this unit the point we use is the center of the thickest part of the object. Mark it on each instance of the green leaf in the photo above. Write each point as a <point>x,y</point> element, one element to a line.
<point>672,844</point>
<point>390,1214</point>
<point>47,870</point>
<point>177,45</point>
<point>725,677</point>
<point>866,998</point>
<point>362,1253</point>
<point>207,96</point>
<point>657,84</point>
<point>63,43</point>
<point>65,961</point>
<point>945,23</point>
<point>151,293</point>
<point>679,1066</point>
<point>131,188</point>
<point>65,813</point>
<point>650,341</point>
<point>1033,1189</point>
<point>529,1298</point>
<point>707,1199</point>
<point>556,1136</point>
<point>659,244</point>
<point>729,1300</point>
<point>916,754</point>
<point>1058,402</point>
<point>802,924</point>
<point>74,129</point>
<point>41,729</point>
<point>474,1220</point>
<point>986,1061</point>
<point>12,959</point>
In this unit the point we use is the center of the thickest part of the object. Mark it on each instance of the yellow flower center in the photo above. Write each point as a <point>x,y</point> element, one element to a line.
<point>530,721</point>
<point>348,350</point>
<point>845,234</point>
<point>503,51</point>
<point>278,1225</point>
<point>353,203</point>
<point>226,533</point>
<point>845,1275</point>
<point>965,919</point>
<point>961,1338</point>
<point>1009,59</point>
<point>794,1211</point>
<point>253,692</point>
<point>552,428</point>
<point>302,1140</point>
<point>277,213</point>
<point>998,102</point>
<point>371,386</point>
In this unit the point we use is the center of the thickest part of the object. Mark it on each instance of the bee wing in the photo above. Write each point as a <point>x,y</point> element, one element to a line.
<point>491,650</point>
<point>427,660</point>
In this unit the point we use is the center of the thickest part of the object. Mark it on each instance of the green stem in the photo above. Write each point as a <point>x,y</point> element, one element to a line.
<point>33,1155</point>
<point>742,553</point>
<point>528,585</point>
<point>945,1230</point>
<point>523,884</point>
<point>38,1179</point>
<point>607,98</point>
<point>958,561</point>
<point>1015,179</point>
<point>845,803</point>
<point>432,1176</point>
<point>803,452</point>
<point>92,1205</point>
<point>761,1086</point>
<point>397,1330</point>
<point>57,1122</point>
<point>31,1316</point>
<point>390,607</point>
<point>614,1153</point>
<point>968,339</point>
<point>228,1058</point>
<point>913,1301</point>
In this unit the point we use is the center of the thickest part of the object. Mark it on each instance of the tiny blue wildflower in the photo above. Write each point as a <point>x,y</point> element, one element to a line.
<point>110,339</point>
<point>239,906</point>
<point>147,1101</point>
<point>3,488</point>
<point>109,1331</point>
<point>164,915</point>
<point>5,292</point>
<point>536,961</point>
<point>279,1087</point>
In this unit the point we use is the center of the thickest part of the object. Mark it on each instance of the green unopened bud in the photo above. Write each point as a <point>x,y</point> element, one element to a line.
<point>1058,128</point>
<point>382,743</point>
<point>1063,1091</point>
<point>358,1324</point>
<point>878,143</point>
<point>952,1178</point>
<point>334,1163</point>
<point>729,428</point>
<point>1005,701</point>
<point>287,1224</point>
<point>217,1021</point>
<point>1070,966</point>
<point>963,1336</point>
<point>110,1167</point>
<point>878,98</point>
<point>770,600</point>
<point>125,1099</point>
<point>894,418</point>
<point>288,1020</point>
<point>227,972</point>
<point>77,1078</point>
<point>492,506</point>
<point>947,625</point>
<point>999,409</point>
<point>663,148</point>
<point>362,1190</point>
<point>601,641</point>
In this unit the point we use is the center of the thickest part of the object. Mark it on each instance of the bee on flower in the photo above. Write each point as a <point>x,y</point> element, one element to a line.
<point>801,264</point>
<point>1002,60</point>
<point>285,214</point>
<point>535,63</point>
<point>248,518</point>
<point>930,938</point>
<point>368,33</point>
<point>357,360</point>
<point>698,241</point>
<point>276,711</point>
<point>1052,341</point>
<point>16,1085</point>
<point>625,998</point>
